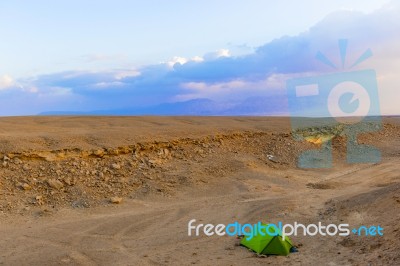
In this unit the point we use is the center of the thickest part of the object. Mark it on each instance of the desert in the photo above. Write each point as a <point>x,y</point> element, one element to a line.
<point>102,190</point>
<point>199,133</point>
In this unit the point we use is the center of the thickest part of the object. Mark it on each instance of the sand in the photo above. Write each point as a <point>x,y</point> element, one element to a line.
<point>121,191</point>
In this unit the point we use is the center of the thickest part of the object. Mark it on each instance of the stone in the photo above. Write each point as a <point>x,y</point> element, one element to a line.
<point>26,186</point>
<point>99,153</point>
<point>116,200</point>
<point>69,181</point>
<point>39,199</point>
<point>273,158</point>
<point>54,183</point>
<point>115,166</point>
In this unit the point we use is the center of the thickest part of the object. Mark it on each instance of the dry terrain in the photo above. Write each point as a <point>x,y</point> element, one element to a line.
<point>121,191</point>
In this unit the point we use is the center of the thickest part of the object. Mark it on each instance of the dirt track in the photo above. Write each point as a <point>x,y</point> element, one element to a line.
<point>217,173</point>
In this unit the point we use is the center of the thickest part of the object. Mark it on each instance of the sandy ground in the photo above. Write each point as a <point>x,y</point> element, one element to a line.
<point>59,174</point>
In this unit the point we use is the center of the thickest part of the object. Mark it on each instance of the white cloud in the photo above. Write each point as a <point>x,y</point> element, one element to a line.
<point>223,53</point>
<point>176,60</point>
<point>107,85</point>
<point>6,82</point>
<point>197,59</point>
<point>217,54</point>
<point>183,60</point>
<point>231,90</point>
<point>127,74</point>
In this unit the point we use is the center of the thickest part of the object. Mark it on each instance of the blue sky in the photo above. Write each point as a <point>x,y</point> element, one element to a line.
<point>103,55</point>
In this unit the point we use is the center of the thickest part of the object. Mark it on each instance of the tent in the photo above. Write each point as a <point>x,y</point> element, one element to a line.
<point>270,243</point>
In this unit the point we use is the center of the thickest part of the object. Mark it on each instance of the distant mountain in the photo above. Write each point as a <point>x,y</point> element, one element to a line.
<point>204,107</point>
<point>259,106</point>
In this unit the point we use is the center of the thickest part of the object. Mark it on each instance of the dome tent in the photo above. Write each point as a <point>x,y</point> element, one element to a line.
<point>268,242</point>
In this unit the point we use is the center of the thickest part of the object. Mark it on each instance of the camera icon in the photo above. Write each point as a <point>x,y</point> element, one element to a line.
<point>338,104</point>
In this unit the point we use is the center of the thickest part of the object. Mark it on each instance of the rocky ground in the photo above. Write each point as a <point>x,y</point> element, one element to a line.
<point>188,174</point>
<point>33,181</point>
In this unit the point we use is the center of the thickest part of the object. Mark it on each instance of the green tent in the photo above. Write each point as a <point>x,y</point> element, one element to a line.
<point>270,243</point>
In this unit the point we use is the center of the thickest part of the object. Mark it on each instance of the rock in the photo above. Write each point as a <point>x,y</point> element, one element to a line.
<point>26,167</point>
<point>26,186</point>
<point>273,158</point>
<point>99,153</point>
<point>154,162</point>
<point>115,166</point>
<point>166,152</point>
<point>69,181</point>
<point>54,183</point>
<point>39,199</point>
<point>116,200</point>
<point>81,203</point>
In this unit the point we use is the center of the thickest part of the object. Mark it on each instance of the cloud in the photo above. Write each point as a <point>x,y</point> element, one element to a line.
<point>197,59</point>
<point>177,60</point>
<point>182,60</point>
<point>233,90</point>
<point>217,54</point>
<point>6,82</point>
<point>126,74</point>
<point>224,78</point>
<point>106,85</point>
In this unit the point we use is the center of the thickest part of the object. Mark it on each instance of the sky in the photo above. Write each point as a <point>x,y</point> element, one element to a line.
<point>228,57</point>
